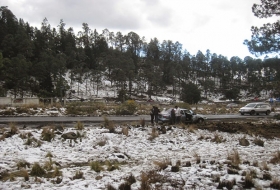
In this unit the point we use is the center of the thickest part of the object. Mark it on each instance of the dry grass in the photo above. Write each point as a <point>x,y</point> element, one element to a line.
<point>154,134</point>
<point>276,158</point>
<point>163,164</point>
<point>217,138</point>
<point>37,170</point>
<point>196,156</point>
<point>78,175</point>
<point>125,131</point>
<point>142,122</point>
<point>243,141</point>
<point>234,158</point>
<point>22,164</point>
<point>33,142</point>
<point>191,129</point>
<point>109,125</point>
<point>275,184</point>
<point>265,166</point>
<point>258,142</point>
<point>48,133</point>
<point>226,183</point>
<point>96,166</point>
<point>79,126</point>
<point>13,128</point>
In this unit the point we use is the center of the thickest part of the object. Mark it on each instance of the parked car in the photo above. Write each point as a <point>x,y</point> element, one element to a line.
<point>256,108</point>
<point>187,116</point>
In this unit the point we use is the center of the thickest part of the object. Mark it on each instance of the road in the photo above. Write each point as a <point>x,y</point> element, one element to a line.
<point>69,120</point>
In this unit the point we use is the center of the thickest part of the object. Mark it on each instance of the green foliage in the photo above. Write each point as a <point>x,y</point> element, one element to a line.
<point>190,93</point>
<point>232,93</point>
<point>127,108</point>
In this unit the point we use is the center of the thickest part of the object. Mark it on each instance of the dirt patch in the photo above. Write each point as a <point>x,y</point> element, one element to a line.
<point>267,130</point>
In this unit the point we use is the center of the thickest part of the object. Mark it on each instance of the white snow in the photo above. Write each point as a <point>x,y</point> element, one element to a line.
<point>136,154</point>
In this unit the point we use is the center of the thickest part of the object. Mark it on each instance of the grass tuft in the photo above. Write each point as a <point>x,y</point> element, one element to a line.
<point>37,170</point>
<point>79,125</point>
<point>96,166</point>
<point>276,158</point>
<point>243,141</point>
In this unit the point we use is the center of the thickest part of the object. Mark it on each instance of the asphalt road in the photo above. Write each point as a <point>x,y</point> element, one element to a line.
<point>69,120</point>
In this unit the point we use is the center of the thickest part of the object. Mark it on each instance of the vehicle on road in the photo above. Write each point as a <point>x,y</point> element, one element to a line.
<point>256,108</point>
<point>187,116</point>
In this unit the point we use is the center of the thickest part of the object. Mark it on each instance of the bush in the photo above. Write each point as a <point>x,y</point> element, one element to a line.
<point>109,125</point>
<point>244,142</point>
<point>37,170</point>
<point>79,126</point>
<point>78,175</point>
<point>258,142</point>
<point>96,166</point>
<point>47,134</point>
<point>127,108</point>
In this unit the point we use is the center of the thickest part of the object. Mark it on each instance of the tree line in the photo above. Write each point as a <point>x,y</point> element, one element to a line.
<point>34,61</point>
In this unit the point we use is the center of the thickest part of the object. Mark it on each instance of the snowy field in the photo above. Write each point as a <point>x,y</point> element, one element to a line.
<point>178,159</point>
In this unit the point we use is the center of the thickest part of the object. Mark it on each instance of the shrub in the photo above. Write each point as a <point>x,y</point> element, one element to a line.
<point>226,183</point>
<point>112,166</point>
<point>234,158</point>
<point>13,128</point>
<point>142,122</point>
<point>197,157</point>
<point>258,142</point>
<point>34,141</point>
<point>175,168</point>
<point>49,154</point>
<point>162,164</point>
<point>37,170</point>
<point>110,187</point>
<point>248,183</point>
<point>25,175</point>
<point>276,158</point>
<point>47,134</point>
<point>56,172</point>
<point>127,108</point>
<point>244,142</point>
<point>275,184</point>
<point>217,138</point>
<point>78,175</point>
<point>79,126</point>
<point>109,125</point>
<point>48,165</point>
<point>267,176</point>
<point>130,179</point>
<point>265,166</point>
<point>125,186</point>
<point>23,164</point>
<point>154,134</point>
<point>125,131</point>
<point>96,166</point>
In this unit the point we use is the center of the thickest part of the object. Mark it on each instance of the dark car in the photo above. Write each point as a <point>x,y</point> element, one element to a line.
<point>187,116</point>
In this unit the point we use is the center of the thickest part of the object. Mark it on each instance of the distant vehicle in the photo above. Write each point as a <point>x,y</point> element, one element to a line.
<point>187,116</point>
<point>232,105</point>
<point>256,108</point>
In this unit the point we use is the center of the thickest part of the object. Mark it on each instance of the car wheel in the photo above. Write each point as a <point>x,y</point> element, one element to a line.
<point>267,112</point>
<point>200,120</point>
<point>252,112</point>
<point>242,113</point>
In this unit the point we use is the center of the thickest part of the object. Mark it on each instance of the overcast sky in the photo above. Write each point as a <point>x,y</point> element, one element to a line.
<point>218,25</point>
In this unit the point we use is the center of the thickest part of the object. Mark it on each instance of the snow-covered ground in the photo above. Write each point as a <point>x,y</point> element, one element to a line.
<point>136,154</point>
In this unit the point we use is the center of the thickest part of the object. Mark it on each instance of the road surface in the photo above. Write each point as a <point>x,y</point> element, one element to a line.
<point>69,120</point>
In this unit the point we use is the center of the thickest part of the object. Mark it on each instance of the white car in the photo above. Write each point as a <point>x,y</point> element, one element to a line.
<point>256,108</point>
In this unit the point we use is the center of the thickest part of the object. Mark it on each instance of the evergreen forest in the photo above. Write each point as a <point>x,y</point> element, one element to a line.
<point>34,61</point>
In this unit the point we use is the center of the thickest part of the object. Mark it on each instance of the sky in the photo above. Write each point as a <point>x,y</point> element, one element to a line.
<point>218,25</point>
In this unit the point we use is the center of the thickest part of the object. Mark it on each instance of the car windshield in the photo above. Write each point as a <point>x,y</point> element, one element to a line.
<point>250,105</point>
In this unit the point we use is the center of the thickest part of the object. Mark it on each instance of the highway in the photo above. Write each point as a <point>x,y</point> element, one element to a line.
<point>85,119</point>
